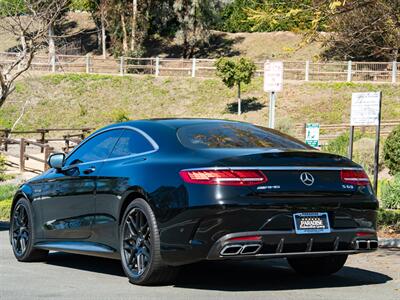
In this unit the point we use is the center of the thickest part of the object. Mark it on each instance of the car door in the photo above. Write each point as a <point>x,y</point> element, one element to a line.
<point>121,171</point>
<point>68,195</point>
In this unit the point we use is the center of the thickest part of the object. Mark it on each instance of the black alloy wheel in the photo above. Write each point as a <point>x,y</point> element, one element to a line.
<point>137,244</point>
<point>22,235</point>
<point>140,246</point>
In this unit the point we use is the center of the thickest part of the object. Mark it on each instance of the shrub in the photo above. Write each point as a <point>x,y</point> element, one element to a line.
<point>119,115</point>
<point>391,151</point>
<point>364,154</point>
<point>390,193</point>
<point>5,208</point>
<point>389,218</point>
<point>340,144</point>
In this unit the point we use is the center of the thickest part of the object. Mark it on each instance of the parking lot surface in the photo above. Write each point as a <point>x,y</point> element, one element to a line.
<point>67,276</point>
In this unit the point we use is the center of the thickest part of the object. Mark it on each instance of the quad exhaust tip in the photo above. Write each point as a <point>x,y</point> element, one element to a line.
<point>366,244</point>
<point>236,249</point>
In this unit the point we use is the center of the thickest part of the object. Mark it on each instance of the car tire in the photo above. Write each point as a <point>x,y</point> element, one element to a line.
<point>317,266</point>
<point>140,247</point>
<point>22,233</point>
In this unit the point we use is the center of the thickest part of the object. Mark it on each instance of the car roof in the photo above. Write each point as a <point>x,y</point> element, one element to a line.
<point>174,122</point>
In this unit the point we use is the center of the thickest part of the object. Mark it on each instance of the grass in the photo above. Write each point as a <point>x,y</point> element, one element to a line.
<point>6,194</point>
<point>96,100</point>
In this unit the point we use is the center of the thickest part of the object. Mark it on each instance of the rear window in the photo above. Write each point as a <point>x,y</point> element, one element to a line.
<point>232,135</point>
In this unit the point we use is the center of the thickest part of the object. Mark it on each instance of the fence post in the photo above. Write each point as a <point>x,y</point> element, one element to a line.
<point>394,72</point>
<point>7,133</point>
<point>47,151</point>
<point>121,66</point>
<point>87,59</point>
<point>157,66</point>
<point>53,62</point>
<point>349,71</point>
<point>22,155</point>
<point>194,67</point>
<point>307,70</point>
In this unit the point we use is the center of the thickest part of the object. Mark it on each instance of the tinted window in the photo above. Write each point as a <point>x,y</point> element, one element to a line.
<point>231,135</point>
<point>96,148</point>
<point>131,142</point>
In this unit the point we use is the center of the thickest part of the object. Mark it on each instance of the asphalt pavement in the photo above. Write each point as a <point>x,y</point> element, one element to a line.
<point>67,276</point>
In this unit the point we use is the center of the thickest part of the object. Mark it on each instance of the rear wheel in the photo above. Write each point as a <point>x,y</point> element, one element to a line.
<point>22,233</point>
<point>314,266</point>
<point>140,246</point>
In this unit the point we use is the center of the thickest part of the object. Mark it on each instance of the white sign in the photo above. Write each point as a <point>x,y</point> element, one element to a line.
<point>273,76</point>
<point>365,109</point>
<point>312,134</point>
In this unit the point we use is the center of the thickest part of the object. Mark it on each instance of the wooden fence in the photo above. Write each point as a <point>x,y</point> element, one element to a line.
<point>71,137</point>
<point>340,71</point>
<point>331,131</point>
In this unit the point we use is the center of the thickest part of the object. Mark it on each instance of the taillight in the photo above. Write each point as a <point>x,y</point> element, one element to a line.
<point>224,177</point>
<point>355,177</point>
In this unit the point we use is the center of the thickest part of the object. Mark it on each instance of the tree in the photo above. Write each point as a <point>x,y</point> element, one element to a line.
<point>366,33</point>
<point>31,29</point>
<point>195,18</point>
<point>235,71</point>
<point>362,29</point>
<point>391,151</point>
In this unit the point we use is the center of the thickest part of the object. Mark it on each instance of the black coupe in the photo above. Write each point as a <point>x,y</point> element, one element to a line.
<point>162,193</point>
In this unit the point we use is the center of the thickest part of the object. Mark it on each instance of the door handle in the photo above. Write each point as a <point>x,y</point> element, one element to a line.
<point>89,170</point>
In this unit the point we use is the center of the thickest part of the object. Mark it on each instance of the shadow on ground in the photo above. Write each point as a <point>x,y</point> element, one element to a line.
<point>4,226</point>
<point>231,275</point>
<point>248,104</point>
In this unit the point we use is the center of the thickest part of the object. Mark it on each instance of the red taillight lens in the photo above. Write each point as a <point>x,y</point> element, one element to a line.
<point>355,177</point>
<point>224,177</point>
<point>246,238</point>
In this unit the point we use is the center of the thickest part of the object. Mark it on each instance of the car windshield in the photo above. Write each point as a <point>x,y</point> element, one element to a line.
<point>235,135</point>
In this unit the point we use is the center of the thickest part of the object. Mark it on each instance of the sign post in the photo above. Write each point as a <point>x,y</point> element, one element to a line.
<point>366,111</point>
<point>312,134</point>
<point>273,83</point>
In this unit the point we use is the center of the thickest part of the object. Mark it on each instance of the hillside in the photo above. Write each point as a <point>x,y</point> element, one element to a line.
<point>79,34</point>
<point>93,100</point>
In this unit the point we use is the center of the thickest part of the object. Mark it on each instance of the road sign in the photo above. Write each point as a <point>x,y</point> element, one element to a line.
<point>273,76</point>
<point>312,134</point>
<point>365,109</point>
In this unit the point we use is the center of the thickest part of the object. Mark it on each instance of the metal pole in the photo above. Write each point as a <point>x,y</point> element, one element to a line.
<point>351,139</point>
<point>271,123</point>
<point>307,70</point>
<point>194,67</point>
<point>157,66</point>
<point>394,72</point>
<point>377,140</point>
<point>349,71</point>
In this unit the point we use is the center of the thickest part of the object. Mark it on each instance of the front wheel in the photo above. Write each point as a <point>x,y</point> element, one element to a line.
<point>140,246</point>
<point>314,266</point>
<point>22,233</point>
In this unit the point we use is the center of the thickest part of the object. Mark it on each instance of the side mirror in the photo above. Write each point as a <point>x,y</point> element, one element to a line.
<point>56,160</point>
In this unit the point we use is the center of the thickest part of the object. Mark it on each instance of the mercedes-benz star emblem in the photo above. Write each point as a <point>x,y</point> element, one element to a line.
<point>307,178</point>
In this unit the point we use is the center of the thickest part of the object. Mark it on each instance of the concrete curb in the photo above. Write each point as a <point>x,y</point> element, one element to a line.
<point>389,243</point>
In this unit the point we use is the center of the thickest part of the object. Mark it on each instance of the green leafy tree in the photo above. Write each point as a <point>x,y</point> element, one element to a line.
<point>234,72</point>
<point>195,18</point>
<point>391,151</point>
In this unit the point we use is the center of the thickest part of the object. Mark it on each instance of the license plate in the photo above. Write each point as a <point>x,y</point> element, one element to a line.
<point>311,223</point>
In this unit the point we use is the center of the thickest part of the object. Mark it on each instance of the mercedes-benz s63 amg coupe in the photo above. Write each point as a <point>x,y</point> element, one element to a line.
<point>162,193</point>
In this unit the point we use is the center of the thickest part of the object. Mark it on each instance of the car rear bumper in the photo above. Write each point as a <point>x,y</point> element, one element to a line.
<point>289,244</point>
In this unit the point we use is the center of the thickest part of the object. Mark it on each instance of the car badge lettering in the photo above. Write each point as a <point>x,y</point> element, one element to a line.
<point>307,179</point>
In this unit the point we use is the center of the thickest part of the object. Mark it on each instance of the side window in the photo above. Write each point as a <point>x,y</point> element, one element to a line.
<point>131,142</point>
<point>97,148</point>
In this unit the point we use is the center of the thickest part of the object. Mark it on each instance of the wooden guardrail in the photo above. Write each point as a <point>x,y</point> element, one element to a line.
<point>332,131</point>
<point>70,140</point>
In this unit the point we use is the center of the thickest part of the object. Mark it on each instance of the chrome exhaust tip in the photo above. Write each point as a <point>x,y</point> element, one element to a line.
<point>250,249</point>
<point>231,250</point>
<point>366,244</point>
